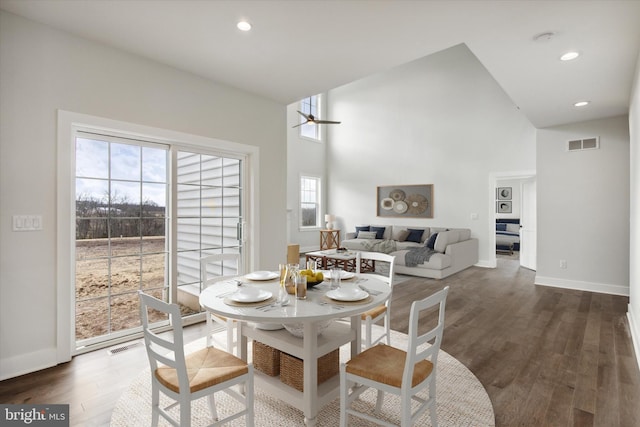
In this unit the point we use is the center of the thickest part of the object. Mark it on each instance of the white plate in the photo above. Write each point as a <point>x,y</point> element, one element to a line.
<point>347,294</point>
<point>343,274</point>
<point>250,295</point>
<point>262,275</point>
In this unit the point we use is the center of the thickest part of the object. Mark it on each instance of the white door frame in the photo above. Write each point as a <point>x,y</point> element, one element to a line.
<point>494,177</point>
<point>68,122</point>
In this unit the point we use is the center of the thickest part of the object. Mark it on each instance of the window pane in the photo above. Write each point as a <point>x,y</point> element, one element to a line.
<point>309,201</point>
<point>125,161</point>
<point>154,165</point>
<point>91,194</point>
<point>92,158</point>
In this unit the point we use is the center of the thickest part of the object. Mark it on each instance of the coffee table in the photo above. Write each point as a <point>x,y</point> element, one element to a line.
<point>331,258</point>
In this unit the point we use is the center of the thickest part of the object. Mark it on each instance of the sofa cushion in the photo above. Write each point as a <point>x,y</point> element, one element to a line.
<point>379,231</point>
<point>400,235</point>
<point>366,235</point>
<point>415,235</point>
<point>431,243</point>
<point>436,262</point>
<point>464,234</point>
<point>360,228</point>
<point>407,245</point>
<point>501,227</point>
<point>446,238</point>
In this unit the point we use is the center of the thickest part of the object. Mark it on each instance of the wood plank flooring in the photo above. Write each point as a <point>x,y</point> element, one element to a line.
<point>547,356</point>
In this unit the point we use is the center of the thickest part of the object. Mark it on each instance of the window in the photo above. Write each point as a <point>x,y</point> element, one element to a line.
<point>310,105</point>
<point>310,197</point>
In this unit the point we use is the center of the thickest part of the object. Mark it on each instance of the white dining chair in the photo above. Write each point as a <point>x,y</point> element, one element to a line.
<point>380,312</point>
<point>185,378</point>
<point>214,269</point>
<point>392,370</point>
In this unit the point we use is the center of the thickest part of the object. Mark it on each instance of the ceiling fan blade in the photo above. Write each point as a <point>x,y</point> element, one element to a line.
<point>303,114</point>
<point>299,124</point>
<point>327,122</point>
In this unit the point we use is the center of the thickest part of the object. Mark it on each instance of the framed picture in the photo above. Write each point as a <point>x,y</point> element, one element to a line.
<point>408,201</point>
<point>503,206</point>
<point>504,193</point>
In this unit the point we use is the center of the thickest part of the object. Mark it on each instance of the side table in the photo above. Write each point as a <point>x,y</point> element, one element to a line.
<point>329,239</point>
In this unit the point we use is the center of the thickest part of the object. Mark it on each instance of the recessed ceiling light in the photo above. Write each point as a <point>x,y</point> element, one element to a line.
<point>244,26</point>
<point>569,56</point>
<point>581,103</point>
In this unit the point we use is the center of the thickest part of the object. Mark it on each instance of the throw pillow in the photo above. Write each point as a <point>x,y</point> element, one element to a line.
<point>402,235</point>
<point>501,227</point>
<point>431,243</point>
<point>366,235</point>
<point>415,235</point>
<point>361,228</point>
<point>379,231</point>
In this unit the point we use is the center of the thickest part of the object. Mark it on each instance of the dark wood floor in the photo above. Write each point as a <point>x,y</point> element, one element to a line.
<point>546,356</point>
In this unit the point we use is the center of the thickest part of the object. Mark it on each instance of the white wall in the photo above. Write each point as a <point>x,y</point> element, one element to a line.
<point>43,70</point>
<point>304,157</point>
<point>440,120</point>
<point>583,207</point>
<point>634,235</point>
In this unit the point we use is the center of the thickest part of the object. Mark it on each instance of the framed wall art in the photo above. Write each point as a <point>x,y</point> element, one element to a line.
<point>408,201</point>
<point>503,206</point>
<point>504,193</point>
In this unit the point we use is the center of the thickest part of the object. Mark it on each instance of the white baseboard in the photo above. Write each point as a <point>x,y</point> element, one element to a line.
<point>27,363</point>
<point>486,264</point>
<point>634,328</point>
<point>578,285</point>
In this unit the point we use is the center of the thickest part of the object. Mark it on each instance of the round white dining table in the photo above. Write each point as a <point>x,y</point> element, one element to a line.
<point>260,321</point>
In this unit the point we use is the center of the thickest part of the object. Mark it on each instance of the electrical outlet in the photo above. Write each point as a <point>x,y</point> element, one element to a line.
<point>563,263</point>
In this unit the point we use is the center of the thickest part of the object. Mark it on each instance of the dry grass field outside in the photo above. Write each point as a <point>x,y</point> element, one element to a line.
<point>103,307</point>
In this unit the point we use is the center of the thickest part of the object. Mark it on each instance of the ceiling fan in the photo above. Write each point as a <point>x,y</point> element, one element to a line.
<point>312,120</point>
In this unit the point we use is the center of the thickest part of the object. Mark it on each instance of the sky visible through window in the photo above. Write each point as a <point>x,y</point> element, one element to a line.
<point>138,173</point>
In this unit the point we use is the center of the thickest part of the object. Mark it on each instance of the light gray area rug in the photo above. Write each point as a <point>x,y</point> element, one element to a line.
<point>461,400</point>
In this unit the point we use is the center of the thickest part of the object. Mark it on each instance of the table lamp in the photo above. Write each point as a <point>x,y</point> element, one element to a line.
<point>329,220</point>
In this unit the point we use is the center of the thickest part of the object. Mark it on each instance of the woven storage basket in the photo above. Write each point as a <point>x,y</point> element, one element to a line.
<point>292,369</point>
<point>266,359</point>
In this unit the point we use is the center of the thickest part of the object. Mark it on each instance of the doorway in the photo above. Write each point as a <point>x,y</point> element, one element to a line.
<point>513,229</point>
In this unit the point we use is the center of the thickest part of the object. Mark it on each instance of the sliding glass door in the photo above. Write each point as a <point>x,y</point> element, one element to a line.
<point>145,213</point>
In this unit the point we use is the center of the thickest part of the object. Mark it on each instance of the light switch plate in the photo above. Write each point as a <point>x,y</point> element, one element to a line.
<point>27,222</point>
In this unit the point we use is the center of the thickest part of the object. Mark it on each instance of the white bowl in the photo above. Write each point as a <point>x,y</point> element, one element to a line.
<point>297,329</point>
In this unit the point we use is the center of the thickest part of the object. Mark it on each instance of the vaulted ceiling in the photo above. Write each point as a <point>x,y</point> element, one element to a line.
<point>299,48</point>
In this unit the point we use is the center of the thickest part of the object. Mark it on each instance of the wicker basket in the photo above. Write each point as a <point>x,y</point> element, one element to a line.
<point>292,369</point>
<point>266,359</point>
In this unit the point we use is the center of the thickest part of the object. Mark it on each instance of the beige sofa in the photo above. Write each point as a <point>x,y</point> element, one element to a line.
<point>453,249</point>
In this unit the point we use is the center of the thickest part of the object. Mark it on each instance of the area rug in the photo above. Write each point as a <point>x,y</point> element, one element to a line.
<point>461,400</point>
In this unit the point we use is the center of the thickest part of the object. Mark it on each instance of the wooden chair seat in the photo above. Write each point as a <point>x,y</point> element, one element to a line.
<point>385,364</point>
<point>205,368</point>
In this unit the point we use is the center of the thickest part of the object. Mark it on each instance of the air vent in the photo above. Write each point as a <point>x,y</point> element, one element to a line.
<point>117,350</point>
<point>583,144</point>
